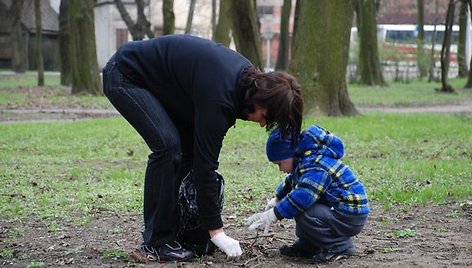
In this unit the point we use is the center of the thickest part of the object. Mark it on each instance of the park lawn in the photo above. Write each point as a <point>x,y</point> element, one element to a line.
<point>19,90</point>
<point>28,79</point>
<point>414,93</point>
<point>70,170</point>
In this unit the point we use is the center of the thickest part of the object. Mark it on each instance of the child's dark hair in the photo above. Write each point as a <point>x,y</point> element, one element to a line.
<point>280,94</point>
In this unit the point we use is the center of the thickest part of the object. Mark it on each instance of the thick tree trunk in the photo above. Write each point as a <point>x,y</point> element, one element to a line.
<point>223,27</point>
<point>169,17</point>
<point>421,57</point>
<point>85,73</point>
<point>18,47</point>
<point>446,49</point>
<point>284,44</point>
<point>369,63</point>
<point>461,42</point>
<point>246,32</point>
<point>191,11</point>
<point>320,55</point>
<point>39,42</point>
<point>64,43</point>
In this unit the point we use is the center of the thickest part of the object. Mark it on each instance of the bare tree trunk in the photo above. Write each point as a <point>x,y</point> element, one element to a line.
<point>320,55</point>
<point>296,19</point>
<point>142,22</point>
<point>191,10</point>
<point>369,63</point>
<point>284,44</point>
<point>64,44</point>
<point>39,42</point>
<point>223,27</point>
<point>169,17</point>
<point>469,76</point>
<point>85,72</point>
<point>141,27</point>
<point>213,16</point>
<point>421,58</point>
<point>246,32</point>
<point>433,43</point>
<point>446,49</point>
<point>18,46</point>
<point>357,14</point>
<point>461,42</point>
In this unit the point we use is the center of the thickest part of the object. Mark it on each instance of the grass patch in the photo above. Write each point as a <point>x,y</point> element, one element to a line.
<point>20,90</point>
<point>404,233</point>
<point>415,93</point>
<point>71,171</point>
<point>58,97</point>
<point>114,254</point>
<point>28,79</point>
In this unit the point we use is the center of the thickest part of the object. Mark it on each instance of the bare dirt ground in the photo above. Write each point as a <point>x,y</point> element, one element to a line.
<point>423,236</point>
<point>434,236</point>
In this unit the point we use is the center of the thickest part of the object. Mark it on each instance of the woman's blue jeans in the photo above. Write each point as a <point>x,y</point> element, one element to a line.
<point>164,170</point>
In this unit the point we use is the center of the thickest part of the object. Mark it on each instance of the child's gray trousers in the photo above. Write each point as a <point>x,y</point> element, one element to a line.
<point>327,229</point>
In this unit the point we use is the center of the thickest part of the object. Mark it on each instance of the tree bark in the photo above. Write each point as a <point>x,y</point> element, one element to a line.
<point>18,47</point>
<point>245,31</point>
<point>84,65</point>
<point>433,44</point>
<point>223,27</point>
<point>462,39</point>
<point>320,55</point>
<point>446,49</point>
<point>191,11</point>
<point>369,63</point>
<point>140,28</point>
<point>169,17</point>
<point>143,23</point>
<point>213,16</point>
<point>64,43</point>
<point>284,44</point>
<point>469,76</point>
<point>39,42</point>
<point>421,58</point>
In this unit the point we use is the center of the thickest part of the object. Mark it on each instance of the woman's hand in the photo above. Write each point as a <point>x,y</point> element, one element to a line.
<point>225,243</point>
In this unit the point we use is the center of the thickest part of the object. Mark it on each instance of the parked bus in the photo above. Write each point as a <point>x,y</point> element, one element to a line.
<point>408,33</point>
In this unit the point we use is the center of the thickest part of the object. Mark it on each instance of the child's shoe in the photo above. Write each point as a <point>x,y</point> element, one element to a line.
<point>324,256</point>
<point>299,249</point>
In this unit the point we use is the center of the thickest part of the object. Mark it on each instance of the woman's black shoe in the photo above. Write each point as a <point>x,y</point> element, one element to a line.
<point>169,252</point>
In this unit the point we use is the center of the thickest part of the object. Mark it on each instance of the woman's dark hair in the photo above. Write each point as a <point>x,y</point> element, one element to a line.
<point>280,94</point>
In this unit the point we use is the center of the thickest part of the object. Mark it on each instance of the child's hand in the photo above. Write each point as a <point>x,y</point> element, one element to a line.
<point>272,203</point>
<point>267,218</point>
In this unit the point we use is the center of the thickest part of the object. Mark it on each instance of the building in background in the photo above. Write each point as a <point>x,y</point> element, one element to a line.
<point>50,34</point>
<point>396,20</point>
<point>111,31</point>
<point>269,13</point>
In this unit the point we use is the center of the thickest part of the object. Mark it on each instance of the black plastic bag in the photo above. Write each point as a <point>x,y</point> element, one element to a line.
<point>190,234</point>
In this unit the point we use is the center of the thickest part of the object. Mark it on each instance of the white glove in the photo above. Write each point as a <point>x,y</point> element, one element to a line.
<point>267,218</point>
<point>227,244</point>
<point>272,203</point>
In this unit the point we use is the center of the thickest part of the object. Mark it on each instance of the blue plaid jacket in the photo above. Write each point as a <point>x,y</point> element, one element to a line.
<point>320,176</point>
